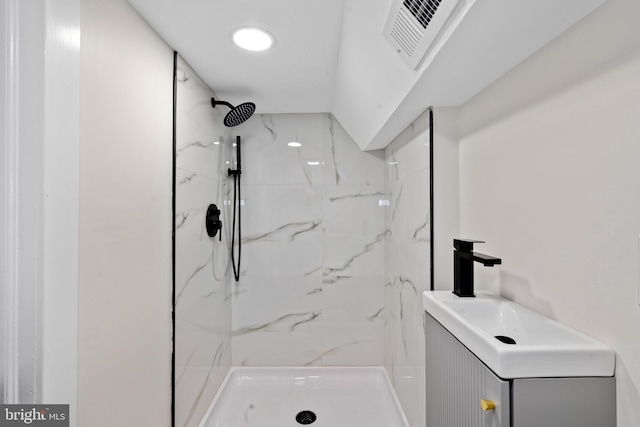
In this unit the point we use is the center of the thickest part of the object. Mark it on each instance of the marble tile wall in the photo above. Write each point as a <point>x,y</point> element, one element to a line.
<point>312,285</point>
<point>407,263</point>
<point>334,250</point>
<point>203,284</point>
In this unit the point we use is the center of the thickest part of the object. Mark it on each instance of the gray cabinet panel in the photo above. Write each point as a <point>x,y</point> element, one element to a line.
<point>564,402</point>
<point>457,380</point>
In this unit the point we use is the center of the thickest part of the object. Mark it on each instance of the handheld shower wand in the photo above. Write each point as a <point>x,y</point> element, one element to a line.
<point>237,202</point>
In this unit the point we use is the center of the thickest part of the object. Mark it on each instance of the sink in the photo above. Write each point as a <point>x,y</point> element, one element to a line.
<point>516,342</point>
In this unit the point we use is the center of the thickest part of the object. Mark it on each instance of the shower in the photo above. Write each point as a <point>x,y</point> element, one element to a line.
<point>237,115</point>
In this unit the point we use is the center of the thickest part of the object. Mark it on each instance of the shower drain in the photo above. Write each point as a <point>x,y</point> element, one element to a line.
<point>305,417</point>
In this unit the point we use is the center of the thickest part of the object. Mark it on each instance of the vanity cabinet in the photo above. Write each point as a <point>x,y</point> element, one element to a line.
<point>457,383</point>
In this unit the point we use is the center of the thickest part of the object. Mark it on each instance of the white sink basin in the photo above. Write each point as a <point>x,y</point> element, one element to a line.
<point>543,347</point>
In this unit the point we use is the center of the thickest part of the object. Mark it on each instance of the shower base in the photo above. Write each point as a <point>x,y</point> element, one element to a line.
<point>317,397</point>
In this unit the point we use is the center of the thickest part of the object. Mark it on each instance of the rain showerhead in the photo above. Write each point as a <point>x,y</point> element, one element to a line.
<point>238,114</point>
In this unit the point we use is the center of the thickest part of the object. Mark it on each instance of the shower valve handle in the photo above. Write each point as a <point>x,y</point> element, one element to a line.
<point>212,221</point>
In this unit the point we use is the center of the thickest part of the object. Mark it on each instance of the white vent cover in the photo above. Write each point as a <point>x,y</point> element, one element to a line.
<point>414,25</point>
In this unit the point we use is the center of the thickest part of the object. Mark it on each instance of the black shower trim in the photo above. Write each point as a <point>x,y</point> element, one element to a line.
<point>173,245</point>
<point>431,222</point>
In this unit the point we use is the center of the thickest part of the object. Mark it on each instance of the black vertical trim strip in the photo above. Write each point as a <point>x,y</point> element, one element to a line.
<point>431,222</point>
<point>173,247</point>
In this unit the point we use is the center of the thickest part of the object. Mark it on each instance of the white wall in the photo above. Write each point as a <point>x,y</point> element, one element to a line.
<point>124,295</point>
<point>312,285</point>
<point>39,144</point>
<point>446,194</point>
<point>407,264</point>
<point>61,151</point>
<point>22,47</point>
<point>203,282</point>
<point>550,178</point>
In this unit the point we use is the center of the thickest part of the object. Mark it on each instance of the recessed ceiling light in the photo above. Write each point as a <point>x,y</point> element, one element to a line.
<point>252,38</point>
<point>294,144</point>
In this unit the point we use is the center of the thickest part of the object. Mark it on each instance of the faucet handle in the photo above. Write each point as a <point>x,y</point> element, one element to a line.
<point>465,245</point>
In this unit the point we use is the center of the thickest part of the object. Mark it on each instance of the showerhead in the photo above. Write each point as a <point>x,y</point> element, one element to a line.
<point>238,114</point>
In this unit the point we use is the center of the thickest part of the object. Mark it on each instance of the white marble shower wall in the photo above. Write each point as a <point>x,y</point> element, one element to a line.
<point>407,262</point>
<point>334,254</point>
<point>203,283</point>
<point>312,285</point>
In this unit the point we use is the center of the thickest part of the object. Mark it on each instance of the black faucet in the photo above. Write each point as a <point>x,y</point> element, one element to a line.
<point>463,258</point>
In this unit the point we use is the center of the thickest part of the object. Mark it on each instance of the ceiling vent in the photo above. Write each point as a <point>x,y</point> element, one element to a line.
<point>413,26</point>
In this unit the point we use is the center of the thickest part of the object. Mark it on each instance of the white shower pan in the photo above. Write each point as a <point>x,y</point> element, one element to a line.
<point>315,396</point>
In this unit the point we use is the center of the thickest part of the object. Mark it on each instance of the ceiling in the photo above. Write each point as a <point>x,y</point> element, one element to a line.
<point>331,56</point>
<point>296,76</point>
